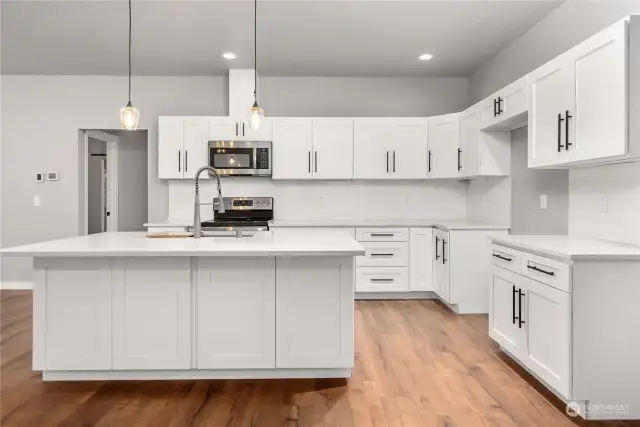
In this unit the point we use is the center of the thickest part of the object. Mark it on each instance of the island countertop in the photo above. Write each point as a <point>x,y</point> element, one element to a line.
<point>136,244</point>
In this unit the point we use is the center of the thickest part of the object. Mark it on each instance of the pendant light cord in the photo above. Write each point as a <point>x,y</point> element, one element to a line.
<point>129,51</point>
<point>255,50</point>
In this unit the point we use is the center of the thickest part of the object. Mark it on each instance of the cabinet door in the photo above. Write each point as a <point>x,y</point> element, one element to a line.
<point>152,313</point>
<point>314,302</point>
<point>263,133</point>
<point>224,129</point>
<point>371,149</point>
<point>598,128</point>
<point>548,315</point>
<point>504,326</point>
<point>513,100</point>
<point>470,135</point>
<point>441,265</point>
<point>78,313</point>
<point>490,111</point>
<point>443,146</point>
<point>333,148</point>
<point>408,143</point>
<point>420,259</point>
<point>549,100</point>
<point>170,155</point>
<point>292,148</point>
<point>236,313</point>
<point>196,133</point>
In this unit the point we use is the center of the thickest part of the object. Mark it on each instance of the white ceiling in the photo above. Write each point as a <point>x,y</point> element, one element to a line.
<point>296,38</point>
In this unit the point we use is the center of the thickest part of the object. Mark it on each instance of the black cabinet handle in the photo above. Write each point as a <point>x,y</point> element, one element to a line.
<point>495,107</point>
<point>459,159</point>
<point>513,306</point>
<point>387,162</point>
<point>309,161</point>
<point>500,110</point>
<point>236,128</point>
<point>186,160</point>
<point>567,144</point>
<point>394,161</point>
<point>381,254</point>
<point>503,257</point>
<point>429,162</point>
<point>242,128</point>
<point>380,280</point>
<point>315,160</point>
<point>533,267</point>
<point>444,259</point>
<point>382,234</point>
<point>437,241</point>
<point>560,120</point>
<point>179,161</point>
<point>520,321</point>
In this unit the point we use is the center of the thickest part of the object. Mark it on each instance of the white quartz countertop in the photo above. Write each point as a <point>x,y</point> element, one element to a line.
<point>270,243</point>
<point>439,223</point>
<point>570,248</point>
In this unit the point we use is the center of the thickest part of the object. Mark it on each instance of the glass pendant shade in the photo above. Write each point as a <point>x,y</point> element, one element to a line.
<point>129,116</point>
<point>256,114</point>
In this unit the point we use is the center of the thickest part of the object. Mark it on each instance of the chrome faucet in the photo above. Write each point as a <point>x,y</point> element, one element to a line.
<point>197,225</point>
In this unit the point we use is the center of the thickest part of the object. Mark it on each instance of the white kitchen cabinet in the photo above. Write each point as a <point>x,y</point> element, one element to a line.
<point>315,305</point>
<point>292,149</point>
<point>507,108</point>
<point>384,254</point>
<point>236,313</point>
<point>182,146</point>
<point>263,133</point>
<point>390,148</point>
<point>444,143</point>
<point>441,282</point>
<point>382,279</point>
<point>233,129</point>
<point>420,259</point>
<point>74,333</point>
<point>151,333</point>
<point>470,137</point>
<point>332,148</point>
<point>482,152</point>
<point>580,108</point>
<point>504,322</point>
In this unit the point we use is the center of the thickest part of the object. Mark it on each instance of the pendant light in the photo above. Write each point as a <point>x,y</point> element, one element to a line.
<point>256,113</point>
<point>129,115</point>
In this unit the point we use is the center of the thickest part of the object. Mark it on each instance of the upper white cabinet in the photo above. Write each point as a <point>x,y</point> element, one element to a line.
<point>482,153</point>
<point>230,129</point>
<point>182,146</point>
<point>390,148</point>
<point>313,148</point>
<point>507,108</point>
<point>444,156</point>
<point>579,107</point>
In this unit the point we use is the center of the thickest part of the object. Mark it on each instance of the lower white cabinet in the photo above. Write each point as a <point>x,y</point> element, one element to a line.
<point>236,313</point>
<point>420,264</point>
<point>151,333</point>
<point>315,305</point>
<point>504,325</point>
<point>441,264</point>
<point>382,279</point>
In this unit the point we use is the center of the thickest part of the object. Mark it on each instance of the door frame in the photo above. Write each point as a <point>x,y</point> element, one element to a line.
<point>112,142</point>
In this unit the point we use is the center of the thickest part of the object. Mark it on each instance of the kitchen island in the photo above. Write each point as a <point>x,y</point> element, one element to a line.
<point>121,306</point>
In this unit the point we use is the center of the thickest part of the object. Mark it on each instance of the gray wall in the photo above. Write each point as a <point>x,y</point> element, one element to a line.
<point>42,115</point>
<point>566,26</point>
<point>132,180</point>
<point>526,187</point>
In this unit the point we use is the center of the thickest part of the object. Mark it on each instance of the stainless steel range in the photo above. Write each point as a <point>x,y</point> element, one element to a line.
<point>242,216</point>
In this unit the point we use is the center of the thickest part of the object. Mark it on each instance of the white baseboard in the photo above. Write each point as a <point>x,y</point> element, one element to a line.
<point>395,295</point>
<point>16,285</point>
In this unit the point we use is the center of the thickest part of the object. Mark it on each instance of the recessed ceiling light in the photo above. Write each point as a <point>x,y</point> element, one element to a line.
<point>425,57</point>
<point>229,55</point>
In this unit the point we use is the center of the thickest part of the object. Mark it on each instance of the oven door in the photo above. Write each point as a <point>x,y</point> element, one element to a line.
<point>237,158</point>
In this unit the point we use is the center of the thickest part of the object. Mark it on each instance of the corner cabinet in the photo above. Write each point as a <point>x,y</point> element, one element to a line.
<point>182,146</point>
<point>390,148</point>
<point>581,108</point>
<point>507,108</point>
<point>482,152</point>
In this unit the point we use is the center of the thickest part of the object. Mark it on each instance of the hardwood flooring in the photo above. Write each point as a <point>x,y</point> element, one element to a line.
<point>417,364</point>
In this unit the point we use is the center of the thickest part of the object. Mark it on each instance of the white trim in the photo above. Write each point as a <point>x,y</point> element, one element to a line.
<point>194,374</point>
<point>395,295</point>
<point>15,285</point>
<point>112,185</point>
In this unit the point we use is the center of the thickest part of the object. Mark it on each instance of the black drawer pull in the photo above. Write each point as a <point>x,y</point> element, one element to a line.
<point>513,306</point>
<point>560,120</point>
<point>503,257</point>
<point>381,254</point>
<point>533,267</point>
<point>382,234</point>
<point>520,321</point>
<point>437,241</point>
<point>381,280</point>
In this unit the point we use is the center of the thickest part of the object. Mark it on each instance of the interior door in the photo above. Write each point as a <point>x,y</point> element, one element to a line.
<point>371,149</point>
<point>598,128</point>
<point>333,148</point>
<point>443,146</point>
<point>292,149</point>
<point>504,326</point>
<point>195,145</point>
<point>549,100</point>
<point>547,312</point>
<point>408,150</point>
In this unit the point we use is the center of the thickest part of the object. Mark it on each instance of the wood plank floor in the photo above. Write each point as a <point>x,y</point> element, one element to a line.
<point>417,364</point>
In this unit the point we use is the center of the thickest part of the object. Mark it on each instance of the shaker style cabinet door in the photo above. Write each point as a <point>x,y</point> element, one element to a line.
<point>421,259</point>
<point>504,314</point>
<point>371,149</point>
<point>170,142</point>
<point>470,136</point>
<point>196,133</point>
<point>332,156</point>
<point>292,149</point>
<point>224,129</point>
<point>408,149</point>
<point>444,132</point>
<point>263,133</point>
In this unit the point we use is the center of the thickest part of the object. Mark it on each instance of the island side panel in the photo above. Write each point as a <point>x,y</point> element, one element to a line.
<point>314,312</point>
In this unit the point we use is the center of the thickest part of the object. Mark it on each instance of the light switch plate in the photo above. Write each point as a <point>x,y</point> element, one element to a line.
<point>39,177</point>
<point>544,202</point>
<point>37,201</point>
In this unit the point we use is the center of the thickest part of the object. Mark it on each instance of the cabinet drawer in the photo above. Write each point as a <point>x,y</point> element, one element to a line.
<point>384,254</point>
<point>382,279</point>
<point>382,234</point>
<point>507,258</point>
<point>548,271</point>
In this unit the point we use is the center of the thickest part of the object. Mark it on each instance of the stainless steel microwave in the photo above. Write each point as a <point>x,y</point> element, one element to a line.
<point>248,158</point>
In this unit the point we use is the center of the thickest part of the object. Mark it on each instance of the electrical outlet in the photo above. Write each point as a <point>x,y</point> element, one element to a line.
<point>544,202</point>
